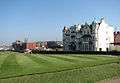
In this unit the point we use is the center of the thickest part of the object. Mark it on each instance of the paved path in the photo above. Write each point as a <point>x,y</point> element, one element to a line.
<point>110,81</point>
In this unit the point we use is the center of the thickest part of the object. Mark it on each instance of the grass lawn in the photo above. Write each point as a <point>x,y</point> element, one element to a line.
<point>50,68</point>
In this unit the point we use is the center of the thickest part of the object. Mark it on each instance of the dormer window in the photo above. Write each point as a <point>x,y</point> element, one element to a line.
<point>72,31</point>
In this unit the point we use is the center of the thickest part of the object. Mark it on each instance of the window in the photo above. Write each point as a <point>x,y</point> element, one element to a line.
<point>73,36</point>
<point>73,32</point>
<point>100,49</point>
<point>88,32</point>
<point>107,49</point>
<point>67,34</point>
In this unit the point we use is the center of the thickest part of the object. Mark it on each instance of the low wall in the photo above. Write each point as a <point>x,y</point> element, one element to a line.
<point>115,53</point>
<point>77,52</point>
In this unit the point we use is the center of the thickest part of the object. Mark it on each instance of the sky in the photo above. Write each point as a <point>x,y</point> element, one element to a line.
<point>40,20</point>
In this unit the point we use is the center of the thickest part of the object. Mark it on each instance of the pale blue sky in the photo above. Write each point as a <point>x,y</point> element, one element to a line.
<point>45,19</point>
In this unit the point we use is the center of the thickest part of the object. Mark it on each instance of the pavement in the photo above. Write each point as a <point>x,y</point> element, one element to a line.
<point>110,81</point>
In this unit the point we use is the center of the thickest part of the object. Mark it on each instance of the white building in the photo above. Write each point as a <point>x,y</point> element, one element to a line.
<point>88,37</point>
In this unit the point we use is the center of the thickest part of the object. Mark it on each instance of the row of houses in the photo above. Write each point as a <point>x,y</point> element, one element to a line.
<point>96,36</point>
<point>42,46</point>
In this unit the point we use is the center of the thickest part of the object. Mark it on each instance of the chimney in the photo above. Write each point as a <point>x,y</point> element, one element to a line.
<point>118,32</point>
<point>114,33</point>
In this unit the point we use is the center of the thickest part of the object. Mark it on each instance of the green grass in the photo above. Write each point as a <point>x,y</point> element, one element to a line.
<point>50,68</point>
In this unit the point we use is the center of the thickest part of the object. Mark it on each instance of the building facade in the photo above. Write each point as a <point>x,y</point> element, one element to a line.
<point>96,36</point>
<point>116,45</point>
<point>117,38</point>
<point>23,46</point>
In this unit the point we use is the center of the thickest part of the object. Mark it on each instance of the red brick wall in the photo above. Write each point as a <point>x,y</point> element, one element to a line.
<point>116,37</point>
<point>31,45</point>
